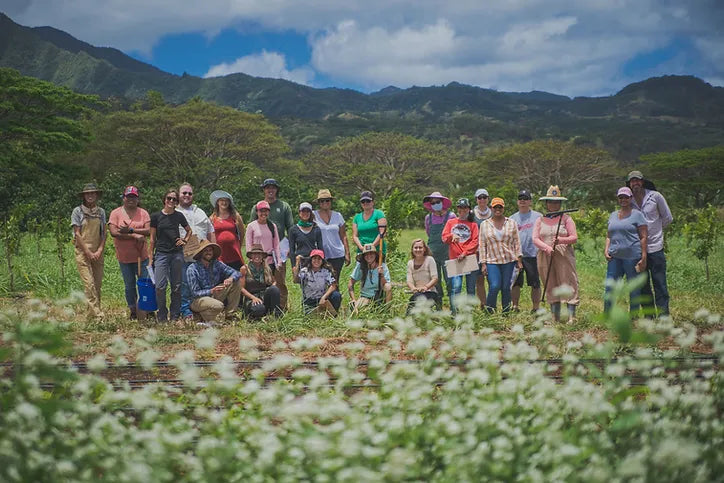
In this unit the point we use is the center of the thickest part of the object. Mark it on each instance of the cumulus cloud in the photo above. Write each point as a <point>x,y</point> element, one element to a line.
<point>264,64</point>
<point>565,46</point>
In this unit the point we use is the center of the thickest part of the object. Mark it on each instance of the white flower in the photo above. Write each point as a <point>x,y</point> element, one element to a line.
<point>97,363</point>
<point>207,339</point>
<point>563,291</point>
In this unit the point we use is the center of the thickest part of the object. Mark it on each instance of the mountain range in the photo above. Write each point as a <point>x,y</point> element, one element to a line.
<point>683,103</point>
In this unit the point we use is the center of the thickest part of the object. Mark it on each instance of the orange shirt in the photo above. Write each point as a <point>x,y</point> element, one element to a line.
<point>128,250</point>
<point>467,231</point>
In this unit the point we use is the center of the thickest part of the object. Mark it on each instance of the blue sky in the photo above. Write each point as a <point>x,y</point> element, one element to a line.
<point>571,47</point>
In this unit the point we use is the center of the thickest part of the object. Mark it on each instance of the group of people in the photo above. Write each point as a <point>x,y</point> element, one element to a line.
<point>200,257</point>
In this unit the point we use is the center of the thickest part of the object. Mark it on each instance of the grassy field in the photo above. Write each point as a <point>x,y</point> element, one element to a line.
<point>38,275</point>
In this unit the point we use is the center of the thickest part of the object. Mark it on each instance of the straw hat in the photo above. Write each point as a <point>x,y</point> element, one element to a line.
<point>203,244</point>
<point>553,194</point>
<point>323,195</point>
<point>446,203</point>
<point>368,248</point>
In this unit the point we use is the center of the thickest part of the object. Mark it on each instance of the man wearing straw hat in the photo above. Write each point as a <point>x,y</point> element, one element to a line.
<point>212,282</point>
<point>129,226</point>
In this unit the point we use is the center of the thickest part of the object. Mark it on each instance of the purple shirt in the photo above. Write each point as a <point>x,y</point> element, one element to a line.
<point>657,215</point>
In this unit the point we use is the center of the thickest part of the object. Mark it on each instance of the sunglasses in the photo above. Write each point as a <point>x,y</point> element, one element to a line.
<point>498,207</point>
<point>623,197</point>
<point>364,202</point>
<point>325,200</point>
<point>523,198</point>
<point>188,193</point>
<point>171,198</point>
<point>483,197</point>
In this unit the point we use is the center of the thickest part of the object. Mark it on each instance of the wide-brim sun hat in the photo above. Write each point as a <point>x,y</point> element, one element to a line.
<point>446,203</point>
<point>90,188</point>
<point>202,245</point>
<point>553,194</point>
<point>219,194</point>
<point>324,194</point>
<point>256,248</point>
<point>368,248</point>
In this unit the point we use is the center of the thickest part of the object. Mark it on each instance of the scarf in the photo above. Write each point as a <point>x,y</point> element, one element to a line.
<point>305,224</point>
<point>482,215</point>
<point>94,212</point>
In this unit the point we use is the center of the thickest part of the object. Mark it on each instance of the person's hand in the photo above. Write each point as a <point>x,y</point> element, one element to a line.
<point>299,259</point>
<point>243,270</point>
<point>346,259</point>
<point>641,265</point>
<point>97,255</point>
<point>606,254</point>
<point>218,289</point>
<point>455,239</point>
<point>548,250</point>
<point>139,238</point>
<point>150,261</point>
<point>256,301</point>
<point>228,282</point>
<point>180,242</point>
<point>461,257</point>
<point>520,264</point>
<point>484,269</point>
<point>380,270</point>
<point>322,300</point>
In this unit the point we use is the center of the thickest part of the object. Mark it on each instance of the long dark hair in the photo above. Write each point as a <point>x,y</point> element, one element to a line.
<point>365,267</point>
<point>307,263</point>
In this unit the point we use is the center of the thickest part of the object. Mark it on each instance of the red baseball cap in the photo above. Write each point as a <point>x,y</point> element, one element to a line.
<point>316,253</point>
<point>263,205</point>
<point>130,190</point>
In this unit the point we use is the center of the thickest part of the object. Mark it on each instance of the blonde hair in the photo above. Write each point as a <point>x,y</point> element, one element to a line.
<point>424,245</point>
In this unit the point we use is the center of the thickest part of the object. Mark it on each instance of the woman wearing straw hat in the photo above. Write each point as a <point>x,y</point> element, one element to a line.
<point>260,291</point>
<point>228,227</point>
<point>89,237</point>
<point>375,278</point>
<point>554,234</point>
<point>334,232</point>
<point>439,208</point>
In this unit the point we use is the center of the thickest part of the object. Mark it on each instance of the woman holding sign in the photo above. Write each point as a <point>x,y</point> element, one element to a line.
<point>461,236</point>
<point>499,254</point>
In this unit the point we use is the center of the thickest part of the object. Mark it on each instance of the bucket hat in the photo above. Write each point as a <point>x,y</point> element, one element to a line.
<point>203,244</point>
<point>256,248</point>
<point>90,188</point>
<point>446,203</point>
<point>553,194</point>
<point>217,195</point>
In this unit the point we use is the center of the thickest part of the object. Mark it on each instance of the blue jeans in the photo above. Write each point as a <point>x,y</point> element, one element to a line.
<point>335,298</point>
<point>656,268</point>
<point>168,268</point>
<point>456,287</point>
<point>616,270</point>
<point>129,272</point>
<point>499,278</point>
<point>186,298</point>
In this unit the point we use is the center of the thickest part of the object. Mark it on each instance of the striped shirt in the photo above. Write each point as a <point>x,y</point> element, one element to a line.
<point>498,251</point>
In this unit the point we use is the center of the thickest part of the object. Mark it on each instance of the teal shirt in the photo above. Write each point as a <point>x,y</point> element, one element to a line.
<point>368,230</point>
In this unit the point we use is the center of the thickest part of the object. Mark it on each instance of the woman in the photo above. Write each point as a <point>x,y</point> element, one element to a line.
<point>228,227</point>
<point>369,226</point>
<point>305,236</point>
<point>500,252</point>
<point>260,291</point>
<point>421,274</point>
<point>319,286</point>
<point>439,208</point>
<point>375,278</point>
<point>557,253</point>
<point>263,232</point>
<point>626,242</point>
<point>334,232</point>
<point>89,238</point>
<point>129,225</point>
<point>481,212</point>
<point>166,253</point>
<point>461,236</point>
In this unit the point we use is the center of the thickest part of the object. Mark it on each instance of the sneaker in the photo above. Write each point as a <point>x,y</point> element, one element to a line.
<point>205,325</point>
<point>133,313</point>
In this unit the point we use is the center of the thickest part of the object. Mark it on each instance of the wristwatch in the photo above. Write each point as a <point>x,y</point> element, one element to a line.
<point>130,229</point>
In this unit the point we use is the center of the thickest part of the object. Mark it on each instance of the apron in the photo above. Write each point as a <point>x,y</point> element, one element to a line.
<point>434,241</point>
<point>564,264</point>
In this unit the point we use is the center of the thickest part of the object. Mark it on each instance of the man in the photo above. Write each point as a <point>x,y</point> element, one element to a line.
<point>202,229</point>
<point>212,282</point>
<point>129,226</point>
<point>658,216</point>
<point>525,218</point>
<point>281,215</point>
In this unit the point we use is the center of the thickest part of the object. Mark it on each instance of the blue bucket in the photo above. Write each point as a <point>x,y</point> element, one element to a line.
<point>146,295</point>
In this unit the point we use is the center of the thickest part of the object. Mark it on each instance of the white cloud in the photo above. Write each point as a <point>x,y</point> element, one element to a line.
<point>264,64</point>
<point>565,46</point>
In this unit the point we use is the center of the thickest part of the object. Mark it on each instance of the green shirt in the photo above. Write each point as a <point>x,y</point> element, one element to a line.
<point>280,215</point>
<point>367,230</point>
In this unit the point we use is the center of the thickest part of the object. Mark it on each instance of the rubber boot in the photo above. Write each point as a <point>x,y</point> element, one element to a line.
<point>571,313</point>
<point>556,311</point>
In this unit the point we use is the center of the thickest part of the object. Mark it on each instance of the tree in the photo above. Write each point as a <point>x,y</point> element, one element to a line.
<point>703,234</point>
<point>689,176</point>
<point>382,162</point>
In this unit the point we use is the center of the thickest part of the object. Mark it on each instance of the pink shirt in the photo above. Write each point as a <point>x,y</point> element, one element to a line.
<point>568,222</point>
<point>260,234</point>
<point>128,250</point>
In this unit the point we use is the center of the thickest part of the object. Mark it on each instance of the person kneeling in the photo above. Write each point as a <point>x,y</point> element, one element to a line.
<point>212,282</point>
<point>421,274</point>
<point>319,286</point>
<point>375,279</point>
<point>260,291</point>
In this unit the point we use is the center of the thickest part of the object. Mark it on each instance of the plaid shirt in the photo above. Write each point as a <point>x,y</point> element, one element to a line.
<point>495,251</point>
<point>202,279</point>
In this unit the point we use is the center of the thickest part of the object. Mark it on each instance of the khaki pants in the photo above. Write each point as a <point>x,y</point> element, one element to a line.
<point>280,275</point>
<point>210,307</point>
<point>91,274</point>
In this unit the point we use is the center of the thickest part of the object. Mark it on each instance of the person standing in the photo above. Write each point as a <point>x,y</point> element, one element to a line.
<point>334,232</point>
<point>525,218</point>
<point>166,254</point>
<point>215,286</point>
<point>439,208</point>
<point>264,233</point>
<point>557,253</point>
<point>202,229</point>
<point>481,212</point>
<point>280,213</point>
<point>461,236</point>
<point>89,238</point>
<point>625,247</point>
<point>305,236</point>
<point>658,216</point>
<point>129,225</point>
<point>499,253</point>
<point>229,228</point>
<point>368,226</point>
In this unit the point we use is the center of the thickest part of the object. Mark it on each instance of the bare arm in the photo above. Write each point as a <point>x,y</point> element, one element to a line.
<point>151,246</point>
<point>343,237</point>
<point>643,237</point>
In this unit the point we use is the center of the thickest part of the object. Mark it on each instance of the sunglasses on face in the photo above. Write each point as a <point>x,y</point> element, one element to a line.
<point>326,200</point>
<point>623,197</point>
<point>187,193</point>
<point>498,207</point>
<point>171,198</point>
<point>483,197</point>
<point>523,198</point>
<point>364,202</point>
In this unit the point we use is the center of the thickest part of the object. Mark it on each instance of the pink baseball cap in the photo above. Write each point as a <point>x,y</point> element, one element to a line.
<point>263,205</point>
<point>625,191</point>
<point>316,253</point>
<point>130,190</point>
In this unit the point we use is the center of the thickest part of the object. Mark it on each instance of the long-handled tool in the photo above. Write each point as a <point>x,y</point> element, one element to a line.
<point>553,214</point>
<point>140,314</point>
